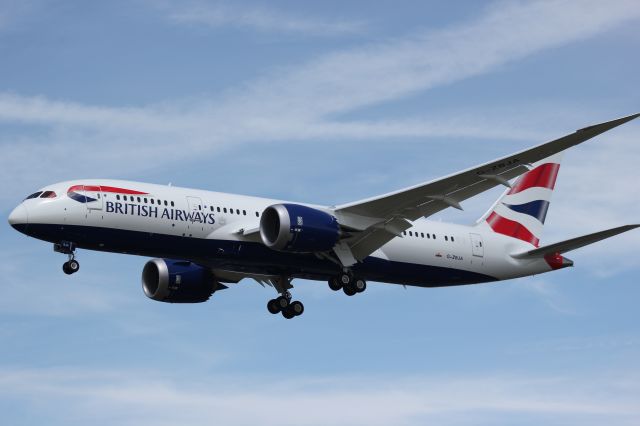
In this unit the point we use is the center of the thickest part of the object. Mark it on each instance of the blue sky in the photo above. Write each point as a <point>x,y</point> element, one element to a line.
<point>321,102</point>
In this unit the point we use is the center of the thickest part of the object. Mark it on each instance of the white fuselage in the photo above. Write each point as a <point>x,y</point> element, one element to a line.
<point>214,229</point>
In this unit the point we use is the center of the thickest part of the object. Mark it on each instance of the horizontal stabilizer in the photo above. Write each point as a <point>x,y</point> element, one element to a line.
<point>574,243</point>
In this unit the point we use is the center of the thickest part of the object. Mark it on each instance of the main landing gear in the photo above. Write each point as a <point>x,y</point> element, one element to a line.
<point>283,304</point>
<point>349,284</point>
<point>71,266</point>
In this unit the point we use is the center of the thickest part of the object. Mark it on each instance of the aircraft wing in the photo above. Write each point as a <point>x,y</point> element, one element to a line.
<point>375,221</point>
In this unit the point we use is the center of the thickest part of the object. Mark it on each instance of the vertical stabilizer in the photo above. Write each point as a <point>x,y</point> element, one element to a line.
<point>521,210</point>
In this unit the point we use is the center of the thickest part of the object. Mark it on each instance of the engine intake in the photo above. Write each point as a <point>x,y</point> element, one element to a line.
<point>177,281</point>
<point>296,228</point>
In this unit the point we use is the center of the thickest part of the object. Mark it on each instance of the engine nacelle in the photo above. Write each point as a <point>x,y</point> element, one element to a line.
<point>300,229</point>
<point>177,281</point>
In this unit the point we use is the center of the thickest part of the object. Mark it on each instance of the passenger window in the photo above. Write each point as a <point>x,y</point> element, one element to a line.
<point>172,204</point>
<point>139,200</point>
<point>410,234</point>
<point>145,201</point>
<point>244,212</point>
<point>428,236</point>
<point>118,197</point>
<point>218,209</point>
<point>452,239</point>
<point>422,234</point>
<point>238,211</point>
<point>225,209</point>
<point>446,238</point>
<point>152,201</point>
<point>211,208</point>
<point>257,214</point>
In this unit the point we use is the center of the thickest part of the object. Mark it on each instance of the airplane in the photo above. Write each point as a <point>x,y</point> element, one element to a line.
<point>203,241</point>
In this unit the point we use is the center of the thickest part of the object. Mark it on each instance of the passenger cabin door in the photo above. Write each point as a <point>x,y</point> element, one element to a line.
<point>196,221</point>
<point>476,245</point>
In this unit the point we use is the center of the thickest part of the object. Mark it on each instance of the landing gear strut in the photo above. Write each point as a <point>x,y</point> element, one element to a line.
<point>349,284</point>
<point>71,266</point>
<point>283,304</point>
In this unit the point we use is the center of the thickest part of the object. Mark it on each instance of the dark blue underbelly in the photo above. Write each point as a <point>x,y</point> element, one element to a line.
<point>249,257</point>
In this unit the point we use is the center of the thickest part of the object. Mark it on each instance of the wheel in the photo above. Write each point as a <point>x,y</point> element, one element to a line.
<point>273,307</point>
<point>349,291</point>
<point>282,302</point>
<point>345,279</point>
<point>73,265</point>
<point>65,268</point>
<point>288,313</point>
<point>360,285</point>
<point>297,308</point>
<point>335,284</point>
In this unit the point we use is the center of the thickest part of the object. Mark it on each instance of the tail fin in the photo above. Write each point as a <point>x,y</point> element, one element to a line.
<point>521,210</point>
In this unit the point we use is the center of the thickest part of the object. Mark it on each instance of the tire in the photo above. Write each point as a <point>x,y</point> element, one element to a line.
<point>349,291</point>
<point>297,308</point>
<point>273,307</point>
<point>288,313</point>
<point>282,302</point>
<point>73,265</point>
<point>360,285</point>
<point>65,268</point>
<point>345,279</point>
<point>335,284</point>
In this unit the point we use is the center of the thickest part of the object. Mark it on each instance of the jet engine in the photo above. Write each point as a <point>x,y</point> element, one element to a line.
<point>299,229</point>
<point>177,281</point>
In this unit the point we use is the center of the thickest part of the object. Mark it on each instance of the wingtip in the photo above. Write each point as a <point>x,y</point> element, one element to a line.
<point>608,125</point>
<point>630,117</point>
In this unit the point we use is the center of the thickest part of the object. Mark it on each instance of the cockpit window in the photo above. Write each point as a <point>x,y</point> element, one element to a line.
<point>48,194</point>
<point>34,195</point>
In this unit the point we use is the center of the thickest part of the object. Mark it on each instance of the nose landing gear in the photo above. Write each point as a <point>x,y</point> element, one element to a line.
<point>71,267</point>
<point>66,247</point>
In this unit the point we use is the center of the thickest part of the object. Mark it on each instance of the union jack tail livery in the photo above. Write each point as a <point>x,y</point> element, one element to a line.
<point>521,210</point>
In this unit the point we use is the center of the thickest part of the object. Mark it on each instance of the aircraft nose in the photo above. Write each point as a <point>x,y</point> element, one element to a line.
<point>19,218</point>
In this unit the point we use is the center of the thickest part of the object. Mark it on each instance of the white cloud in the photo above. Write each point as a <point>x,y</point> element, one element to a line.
<point>550,294</point>
<point>137,398</point>
<point>302,103</point>
<point>257,18</point>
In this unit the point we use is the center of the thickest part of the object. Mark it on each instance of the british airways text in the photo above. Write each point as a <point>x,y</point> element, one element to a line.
<point>155,212</point>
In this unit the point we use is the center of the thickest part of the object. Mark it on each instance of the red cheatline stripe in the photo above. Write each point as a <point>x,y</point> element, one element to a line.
<point>543,176</point>
<point>511,228</point>
<point>105,189</point>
